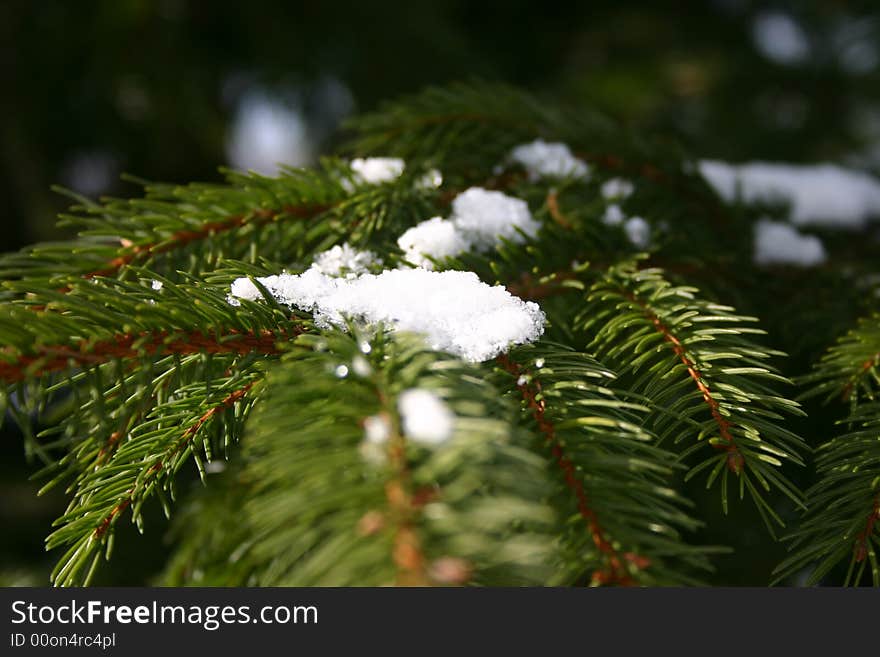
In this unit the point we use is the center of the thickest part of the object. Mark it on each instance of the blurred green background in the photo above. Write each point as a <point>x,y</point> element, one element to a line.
<point>170,89</point>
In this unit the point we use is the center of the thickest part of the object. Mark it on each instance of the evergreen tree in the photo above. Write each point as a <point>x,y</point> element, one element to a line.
<point>270,333</point>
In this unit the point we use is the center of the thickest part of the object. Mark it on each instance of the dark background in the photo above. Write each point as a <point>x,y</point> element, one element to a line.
<point>170,89</point>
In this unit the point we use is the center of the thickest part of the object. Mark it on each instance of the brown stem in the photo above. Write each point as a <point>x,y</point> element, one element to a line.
<point>552,203</point>
<point>614,572</point>
<point>860,548</point>
<point>848,389</point>
<point>154,470</point>
<point>184,237</point>
<point>409,559</point>
<point>734,457</point>
<point>56,358</point>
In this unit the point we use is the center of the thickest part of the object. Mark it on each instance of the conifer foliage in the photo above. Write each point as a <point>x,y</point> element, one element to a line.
<point>490,343</point>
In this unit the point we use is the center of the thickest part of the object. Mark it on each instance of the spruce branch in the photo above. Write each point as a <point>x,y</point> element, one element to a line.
<point>48,359</point>
<point>566,462</point>
<point>848,370</point>
<point>840,524</point>
<point>139,468</point>
<point>610,471</point>
<point>615,571</point>
<point>655,331</point>
<point>459,512</point>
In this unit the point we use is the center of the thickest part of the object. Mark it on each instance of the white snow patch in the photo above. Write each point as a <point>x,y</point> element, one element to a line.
<point>617,188</point>
<point>638,231</point>
<point>267,132</point>
<point>344,259</point>
<point>361,367</point>
<point>156,285</point>
<point>435,237</point>
<point>375,170</point>
<point>820,195</point>
<point>431,180</point>
<point>543,159</point>
<point>377,429</point>
<point>613,215</point>
<point>779,37</point>
<point>485,217</point>
<point>454,310</point>
<point>480,220</point>
<point>777,243</point>
<point>425,417</point>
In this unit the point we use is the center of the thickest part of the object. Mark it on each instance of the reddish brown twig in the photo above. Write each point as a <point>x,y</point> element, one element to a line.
<point>614,572</point>
<point>179,447</point>
<point>734,457</point>
<point>56,358</point>
<point>529,288</point>
<point>409,559</point>
<point>848,389</point>
<point>552,203</point>
<point>184,237</point>
<point>860,548</point>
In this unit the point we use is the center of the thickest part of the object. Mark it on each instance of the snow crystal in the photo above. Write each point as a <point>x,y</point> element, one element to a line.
<point>554,160</point>
<point>377,429</point>
<point>435,237</point>
<point>821,195</point>
<point>486,216</point>
<point>425,417</point>
<point>780,243</point>
<point>454,310</point>
<point>344,260</point>
<point>375,170</point>
<point>613,215</point>
<point>638,231</point>
<point>157,285</point>
<point>617,188</point>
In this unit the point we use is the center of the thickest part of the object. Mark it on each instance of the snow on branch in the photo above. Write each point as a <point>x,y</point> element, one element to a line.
<point>543,159</point>
<point>778,243</point>
<point>454,310</point>
<point>344,259</point>
<point>375,170</point>
<point>378,170</point>
<point>821,195</point>
<point>480,220</point>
